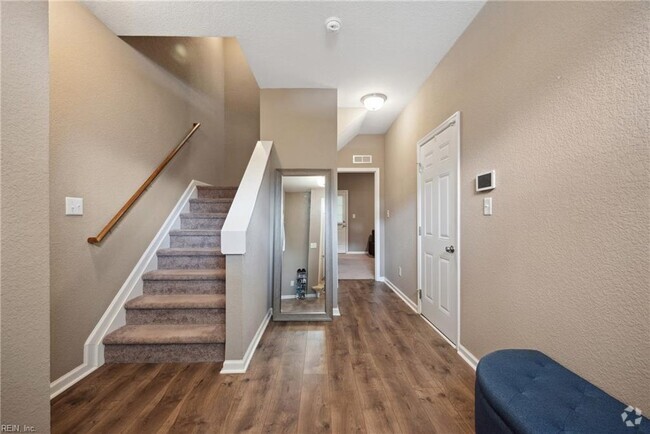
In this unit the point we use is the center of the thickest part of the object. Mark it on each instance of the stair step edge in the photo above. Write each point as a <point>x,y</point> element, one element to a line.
<point>189,251</point>
<point>190,301</point>
<point>167,334</point>
<point>184,274</point>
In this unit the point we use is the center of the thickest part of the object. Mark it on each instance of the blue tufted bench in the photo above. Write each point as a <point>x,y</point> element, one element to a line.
<point>525,391</point>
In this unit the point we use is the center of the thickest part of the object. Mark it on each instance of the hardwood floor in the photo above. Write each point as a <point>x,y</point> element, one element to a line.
<point>379,368</point>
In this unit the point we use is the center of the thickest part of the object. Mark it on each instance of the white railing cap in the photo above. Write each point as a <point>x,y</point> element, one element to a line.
<point>233,233</point>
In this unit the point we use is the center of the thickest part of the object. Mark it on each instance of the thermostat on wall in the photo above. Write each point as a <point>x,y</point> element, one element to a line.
<point>486,181</point>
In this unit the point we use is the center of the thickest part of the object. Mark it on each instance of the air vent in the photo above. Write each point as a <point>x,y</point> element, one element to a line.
<point>361,159</point>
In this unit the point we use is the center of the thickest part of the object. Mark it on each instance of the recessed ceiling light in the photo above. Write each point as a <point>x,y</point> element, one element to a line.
<point>333,24</point>
<point>374,101</point>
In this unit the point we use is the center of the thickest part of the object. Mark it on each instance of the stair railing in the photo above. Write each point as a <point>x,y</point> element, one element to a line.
<point>129,203</point>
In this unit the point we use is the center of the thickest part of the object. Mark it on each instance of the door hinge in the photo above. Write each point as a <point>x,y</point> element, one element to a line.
<point>419,231</point>
<point>419,167</point>
<point>419,294</point>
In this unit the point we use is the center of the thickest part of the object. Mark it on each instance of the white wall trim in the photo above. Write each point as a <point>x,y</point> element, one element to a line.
<point>355,253</point>
<point>114,317</point>
<point>233,233</point>
<point>401,295</point>
<point>378,228</point>
<point>241,365</point>
<point>470,358</point>
<point>65,381</point>
<point>336,311</point>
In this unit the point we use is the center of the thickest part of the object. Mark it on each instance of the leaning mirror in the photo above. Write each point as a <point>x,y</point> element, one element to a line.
<point>302,275</point>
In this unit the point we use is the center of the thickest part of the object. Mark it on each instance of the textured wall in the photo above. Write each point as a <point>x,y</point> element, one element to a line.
<point>370,144</point>
<point>555,98</point>
<point>24,227</point>
<point>118,106</point>
<point>242,114</point>
<point>361,203</point>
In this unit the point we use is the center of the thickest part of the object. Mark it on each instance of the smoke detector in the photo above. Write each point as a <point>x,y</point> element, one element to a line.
<point>333,24</point>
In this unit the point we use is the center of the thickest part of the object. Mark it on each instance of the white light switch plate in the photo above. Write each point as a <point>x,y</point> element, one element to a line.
<point>74,206</point>
<point>313,245</point>
<point>487,206</point>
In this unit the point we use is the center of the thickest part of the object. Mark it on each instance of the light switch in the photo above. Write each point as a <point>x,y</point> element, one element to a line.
<point>387,213</point>
<point>291,283</point>
<point>74,206</point>
<point>354,216</point>
<point>487,206</point>
<point>313,245</point>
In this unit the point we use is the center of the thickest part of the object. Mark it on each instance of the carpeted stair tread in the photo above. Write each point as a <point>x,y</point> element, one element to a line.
<point>204,215</point>
<point>212,187</point>
<point>212,200</point>
<point>190,251</point>
<point>167,334</point>
<point>178,301</point>
<point>196,232</point>
<point>182,274</point>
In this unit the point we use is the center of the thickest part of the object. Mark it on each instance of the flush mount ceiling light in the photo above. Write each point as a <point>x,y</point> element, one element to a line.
<point>333,24</point>
<point>373,101</point>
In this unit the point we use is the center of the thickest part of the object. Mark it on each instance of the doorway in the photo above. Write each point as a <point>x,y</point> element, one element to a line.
<point>360,210</point>
<point>438,227</point>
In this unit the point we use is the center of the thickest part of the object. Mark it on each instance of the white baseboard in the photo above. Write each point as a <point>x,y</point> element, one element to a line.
<point>115,317</point>
<point>336,312</point>
<point>241,365</point>
<point>381,279</point>
<point>355,253</point>
<point>67,380</point>
<point>401,295</point>
<point>470,358</point>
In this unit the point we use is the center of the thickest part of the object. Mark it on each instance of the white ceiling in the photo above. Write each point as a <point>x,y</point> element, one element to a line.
<point>387,47</point>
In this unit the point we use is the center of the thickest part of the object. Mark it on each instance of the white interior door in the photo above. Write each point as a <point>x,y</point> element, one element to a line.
<point>342,220</point>
<point>438,156</point>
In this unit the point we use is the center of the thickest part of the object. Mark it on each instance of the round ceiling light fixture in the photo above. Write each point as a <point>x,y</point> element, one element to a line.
<point>373,101</point>
<point>333,24</point>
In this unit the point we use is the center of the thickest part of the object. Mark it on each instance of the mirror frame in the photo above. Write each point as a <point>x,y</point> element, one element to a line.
<point>278,254</point>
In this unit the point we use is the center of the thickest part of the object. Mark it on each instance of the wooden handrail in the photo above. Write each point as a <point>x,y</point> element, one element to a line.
<point>129,203</point>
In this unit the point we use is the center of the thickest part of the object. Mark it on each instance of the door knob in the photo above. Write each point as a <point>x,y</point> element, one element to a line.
<point>450,249</point>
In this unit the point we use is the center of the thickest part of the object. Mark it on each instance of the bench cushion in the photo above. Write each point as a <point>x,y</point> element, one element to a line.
<point>525,391</point>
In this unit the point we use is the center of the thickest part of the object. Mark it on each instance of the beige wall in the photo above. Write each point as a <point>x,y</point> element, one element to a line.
<point>302,124</point>
<point>24,227</point>
<point>242,114</point>
<point>554,97</point>
<point>249,294</point>
<point>113,120</point>
<point>361,208</point>
<point>370,144</point>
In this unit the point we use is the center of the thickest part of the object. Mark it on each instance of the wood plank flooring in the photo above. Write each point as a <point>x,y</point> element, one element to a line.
<point>379,368</point>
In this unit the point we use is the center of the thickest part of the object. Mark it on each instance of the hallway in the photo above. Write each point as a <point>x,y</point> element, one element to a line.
<point>356,267</point>
<point>377,368</point>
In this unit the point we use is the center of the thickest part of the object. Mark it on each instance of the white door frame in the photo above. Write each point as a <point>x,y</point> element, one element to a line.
<point>440,128</point>
<point>378,246</point>
<point>345,219</point>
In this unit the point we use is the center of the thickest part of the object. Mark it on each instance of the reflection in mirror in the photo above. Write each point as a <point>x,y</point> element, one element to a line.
<point>303,240</point>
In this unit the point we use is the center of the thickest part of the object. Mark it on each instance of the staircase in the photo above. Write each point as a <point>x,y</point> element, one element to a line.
<point>181,316</point>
